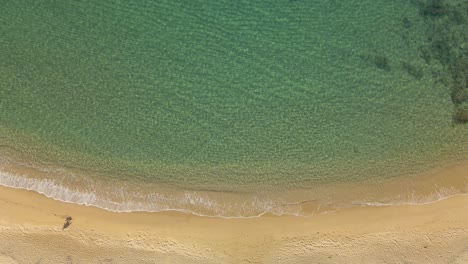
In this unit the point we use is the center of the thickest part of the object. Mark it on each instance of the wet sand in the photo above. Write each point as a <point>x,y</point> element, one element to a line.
<point>31,231</point>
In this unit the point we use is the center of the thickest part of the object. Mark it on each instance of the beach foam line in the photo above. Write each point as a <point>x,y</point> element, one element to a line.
<point>191,202</point>
<point>436,199</point>
<point>156,202</point>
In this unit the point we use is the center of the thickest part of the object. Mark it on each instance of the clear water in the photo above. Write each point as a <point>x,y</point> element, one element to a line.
<point>233,96</point>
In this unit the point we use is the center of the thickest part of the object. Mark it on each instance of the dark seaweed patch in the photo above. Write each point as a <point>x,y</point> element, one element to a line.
<point>412,70</point>
<point>442,51</point>
<point>447,40</point>
<point>382,62</point>
<point>459,92</point>
<point>461,115</point>
<point>407,23</point>
<point>434,9</point>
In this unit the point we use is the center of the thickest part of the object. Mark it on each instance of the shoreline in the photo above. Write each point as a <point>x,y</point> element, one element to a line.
<point>33,226</point>
<point>435,231</point>
<point>428,187</point>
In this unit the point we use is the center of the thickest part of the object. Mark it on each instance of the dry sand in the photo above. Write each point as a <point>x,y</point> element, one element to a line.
<point>31,231</point>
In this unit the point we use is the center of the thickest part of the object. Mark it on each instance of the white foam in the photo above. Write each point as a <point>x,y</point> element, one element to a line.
<point>189,202</point>
<point>120,199</point>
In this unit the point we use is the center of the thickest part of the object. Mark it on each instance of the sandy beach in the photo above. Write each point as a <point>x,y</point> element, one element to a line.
<point>31,231</point>
<point>234,132</point>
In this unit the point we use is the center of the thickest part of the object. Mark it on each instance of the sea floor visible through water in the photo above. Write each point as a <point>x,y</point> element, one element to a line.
<point>234,109</point>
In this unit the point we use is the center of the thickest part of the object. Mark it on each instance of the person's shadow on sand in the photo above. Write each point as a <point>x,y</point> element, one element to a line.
<point>68,222</point>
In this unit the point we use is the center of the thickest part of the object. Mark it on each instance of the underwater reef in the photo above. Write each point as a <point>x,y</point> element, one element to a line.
<point>448,44</point>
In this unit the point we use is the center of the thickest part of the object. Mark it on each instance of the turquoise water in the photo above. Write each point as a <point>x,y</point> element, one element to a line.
<point>232,95</point>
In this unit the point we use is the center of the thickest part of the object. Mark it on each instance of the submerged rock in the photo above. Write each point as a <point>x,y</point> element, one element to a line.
<point>461,115</point>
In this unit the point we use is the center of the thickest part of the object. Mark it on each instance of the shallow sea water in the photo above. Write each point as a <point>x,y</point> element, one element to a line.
<point>216,107</point>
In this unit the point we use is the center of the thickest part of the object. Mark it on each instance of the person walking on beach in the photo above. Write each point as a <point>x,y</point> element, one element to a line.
<point>67,222</point>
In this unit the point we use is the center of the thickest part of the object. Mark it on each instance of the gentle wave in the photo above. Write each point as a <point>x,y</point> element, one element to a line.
<point>192,202</point>
<point>186,202</point>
